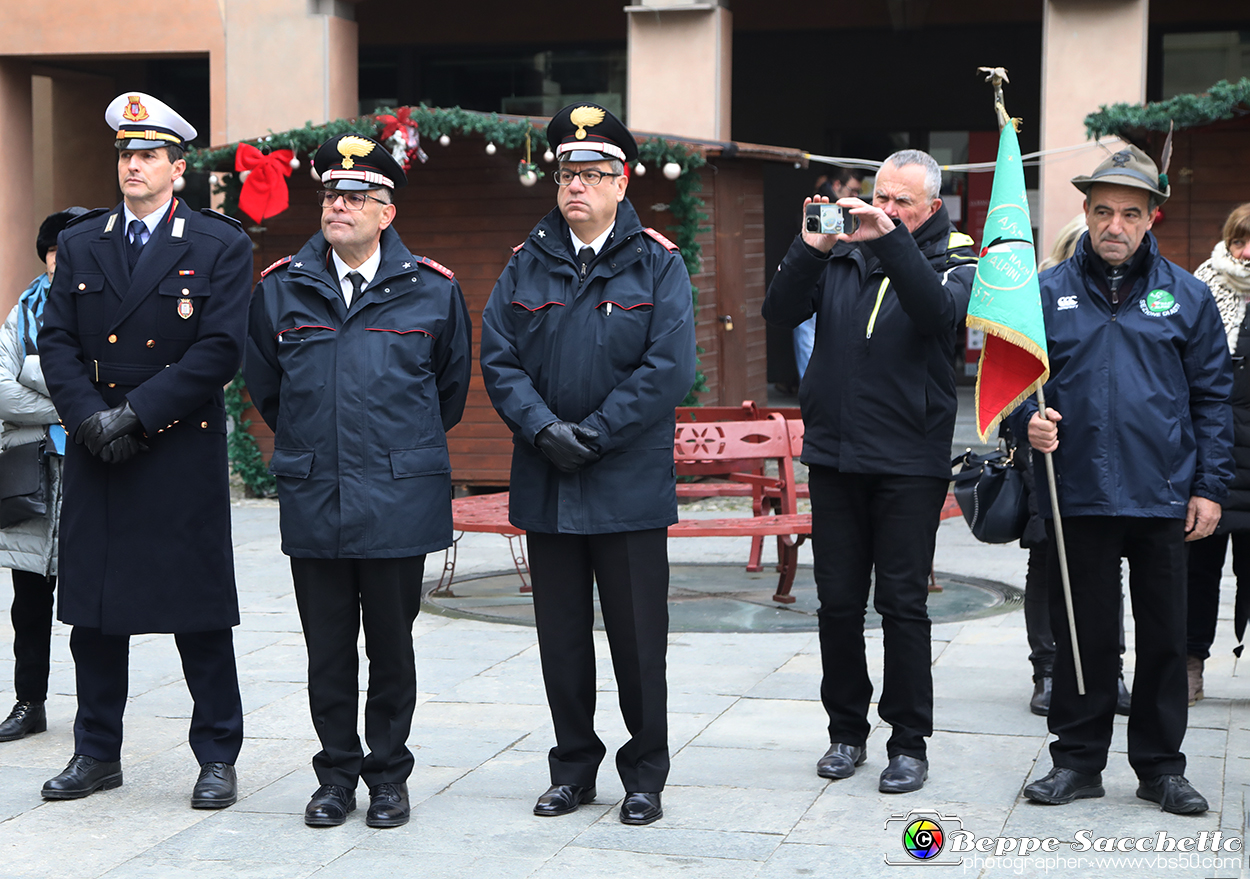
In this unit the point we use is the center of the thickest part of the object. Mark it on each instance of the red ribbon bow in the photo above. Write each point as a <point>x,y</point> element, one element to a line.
<point>264,192</point>
<point>410,140</point>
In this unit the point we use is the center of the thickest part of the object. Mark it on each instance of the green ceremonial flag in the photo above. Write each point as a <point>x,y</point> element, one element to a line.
<point>1006,303</point>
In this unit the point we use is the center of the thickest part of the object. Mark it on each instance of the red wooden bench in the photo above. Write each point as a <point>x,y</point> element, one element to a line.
<point>734,452</point>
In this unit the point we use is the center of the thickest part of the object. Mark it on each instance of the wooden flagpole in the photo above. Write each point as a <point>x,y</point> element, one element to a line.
<point>997,76</point>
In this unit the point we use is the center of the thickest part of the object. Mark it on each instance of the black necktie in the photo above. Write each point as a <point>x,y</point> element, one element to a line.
<point>358,282</point>
<point>585,257</point>
<point>136,230</point>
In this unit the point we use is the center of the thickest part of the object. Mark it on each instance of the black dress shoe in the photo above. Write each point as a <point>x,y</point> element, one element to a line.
<point>1123,698</point>
<point>24,719</point>
<point>641,808</point>
<point>840,761</point>
<point>216,788</point>
<point>560,799</point>
<point>903,775</point>
<point>388,805</point>
<point>1062,786</point>
<point>1174,793</point>
<point>329,806</point>
<point>83,775</point>
<point>1040,703</point>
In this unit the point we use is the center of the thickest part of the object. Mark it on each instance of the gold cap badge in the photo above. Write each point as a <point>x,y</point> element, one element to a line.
<point>585,117</point>
<point>354,146</point>
<point>135,111</point>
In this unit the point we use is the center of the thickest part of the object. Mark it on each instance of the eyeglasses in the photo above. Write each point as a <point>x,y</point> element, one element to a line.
<point>590,176</point>
<point>353,201</point>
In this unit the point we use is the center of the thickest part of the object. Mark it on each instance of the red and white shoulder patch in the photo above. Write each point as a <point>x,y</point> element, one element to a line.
<point>664,242</point>
<point>278,264</point>
<point>437,266</point>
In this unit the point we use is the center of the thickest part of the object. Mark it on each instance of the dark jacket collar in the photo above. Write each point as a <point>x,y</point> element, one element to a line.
<point>552,232</point>
<point>1097,269</point>
<point>313,260</point>
<point>933,239</point>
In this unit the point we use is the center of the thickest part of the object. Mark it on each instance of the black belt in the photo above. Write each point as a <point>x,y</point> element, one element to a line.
<point>123,373</point>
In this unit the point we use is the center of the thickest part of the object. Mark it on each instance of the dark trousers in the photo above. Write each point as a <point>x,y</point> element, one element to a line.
<point>1155,551</point>
<point>631,569</point>
<point>101,664</point>
<point>335,596</point>
<point>863,523</point>
<point>1037,615</point>
<point>1206,567</point>
<point>32,634</point>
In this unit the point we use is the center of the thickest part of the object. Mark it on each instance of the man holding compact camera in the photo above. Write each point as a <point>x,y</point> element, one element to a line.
<point>878,404</point>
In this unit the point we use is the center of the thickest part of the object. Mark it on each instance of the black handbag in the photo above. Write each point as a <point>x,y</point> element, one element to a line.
<point>991,493</point>
<point>24,483</point>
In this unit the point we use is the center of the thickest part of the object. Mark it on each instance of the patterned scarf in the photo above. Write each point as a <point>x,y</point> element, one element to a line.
<point>1229,280</point>
<point>30,317</point>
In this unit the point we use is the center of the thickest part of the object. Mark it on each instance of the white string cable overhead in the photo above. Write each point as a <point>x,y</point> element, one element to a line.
<point>1029,159</point>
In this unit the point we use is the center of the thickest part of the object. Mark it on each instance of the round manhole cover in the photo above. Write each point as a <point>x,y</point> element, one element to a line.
<point>726,598</point>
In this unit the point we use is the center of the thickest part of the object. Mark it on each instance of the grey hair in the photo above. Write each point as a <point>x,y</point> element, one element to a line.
<point>932,173</point>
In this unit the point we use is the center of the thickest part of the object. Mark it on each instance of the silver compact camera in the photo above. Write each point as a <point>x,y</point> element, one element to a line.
<point>828,219</point>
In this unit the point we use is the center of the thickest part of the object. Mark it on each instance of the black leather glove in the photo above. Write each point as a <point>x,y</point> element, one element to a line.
<point>101,428</point>
<point>122,449</point>
<point>560,442</point>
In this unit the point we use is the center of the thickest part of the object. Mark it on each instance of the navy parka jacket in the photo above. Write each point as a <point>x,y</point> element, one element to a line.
<point>614,352</point>
<point>879,392</point>
<point>1143,389</point>
<point>360,400</point>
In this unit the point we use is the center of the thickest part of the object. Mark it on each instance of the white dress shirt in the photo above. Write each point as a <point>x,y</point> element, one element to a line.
<point>596,245</point>
<point>367,270</point>
<point>150,220</point>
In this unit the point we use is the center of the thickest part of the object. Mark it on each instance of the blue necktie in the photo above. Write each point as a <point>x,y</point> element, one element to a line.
<point>138,232</point>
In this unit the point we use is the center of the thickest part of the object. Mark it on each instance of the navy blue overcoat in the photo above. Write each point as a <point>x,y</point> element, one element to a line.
<point>145,545</point>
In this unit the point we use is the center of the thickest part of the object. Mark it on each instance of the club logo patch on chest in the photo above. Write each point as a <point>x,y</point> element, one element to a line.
<point>185,308</point>
<point>1160,303</point>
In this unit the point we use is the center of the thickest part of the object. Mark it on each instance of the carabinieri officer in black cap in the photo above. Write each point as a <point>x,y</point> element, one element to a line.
<point>143,327</point>
<point>587,348</point>
<point>359,358</point>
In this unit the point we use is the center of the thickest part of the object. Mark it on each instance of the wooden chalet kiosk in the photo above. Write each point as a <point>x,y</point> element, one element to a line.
<point>467,208</point>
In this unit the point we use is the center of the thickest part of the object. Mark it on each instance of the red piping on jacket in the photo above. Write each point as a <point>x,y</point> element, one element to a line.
<point>302,327</point>
<point>398,332</point>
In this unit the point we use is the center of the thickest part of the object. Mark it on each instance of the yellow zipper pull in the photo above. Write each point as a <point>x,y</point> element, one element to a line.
<point>872,319</point>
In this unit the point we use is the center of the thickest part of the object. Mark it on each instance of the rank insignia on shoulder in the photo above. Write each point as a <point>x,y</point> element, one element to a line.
<point>218,215</point>
<point>437,266</point>
<point>664,242</point>
<point>94,212</point>
<point>277,265</point>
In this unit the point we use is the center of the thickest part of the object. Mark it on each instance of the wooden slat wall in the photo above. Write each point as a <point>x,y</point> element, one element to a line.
<point>467,210</point>
<point>1193,218</point>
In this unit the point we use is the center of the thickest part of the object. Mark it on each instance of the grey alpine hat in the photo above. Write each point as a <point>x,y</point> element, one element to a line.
<point>1128,167</point>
